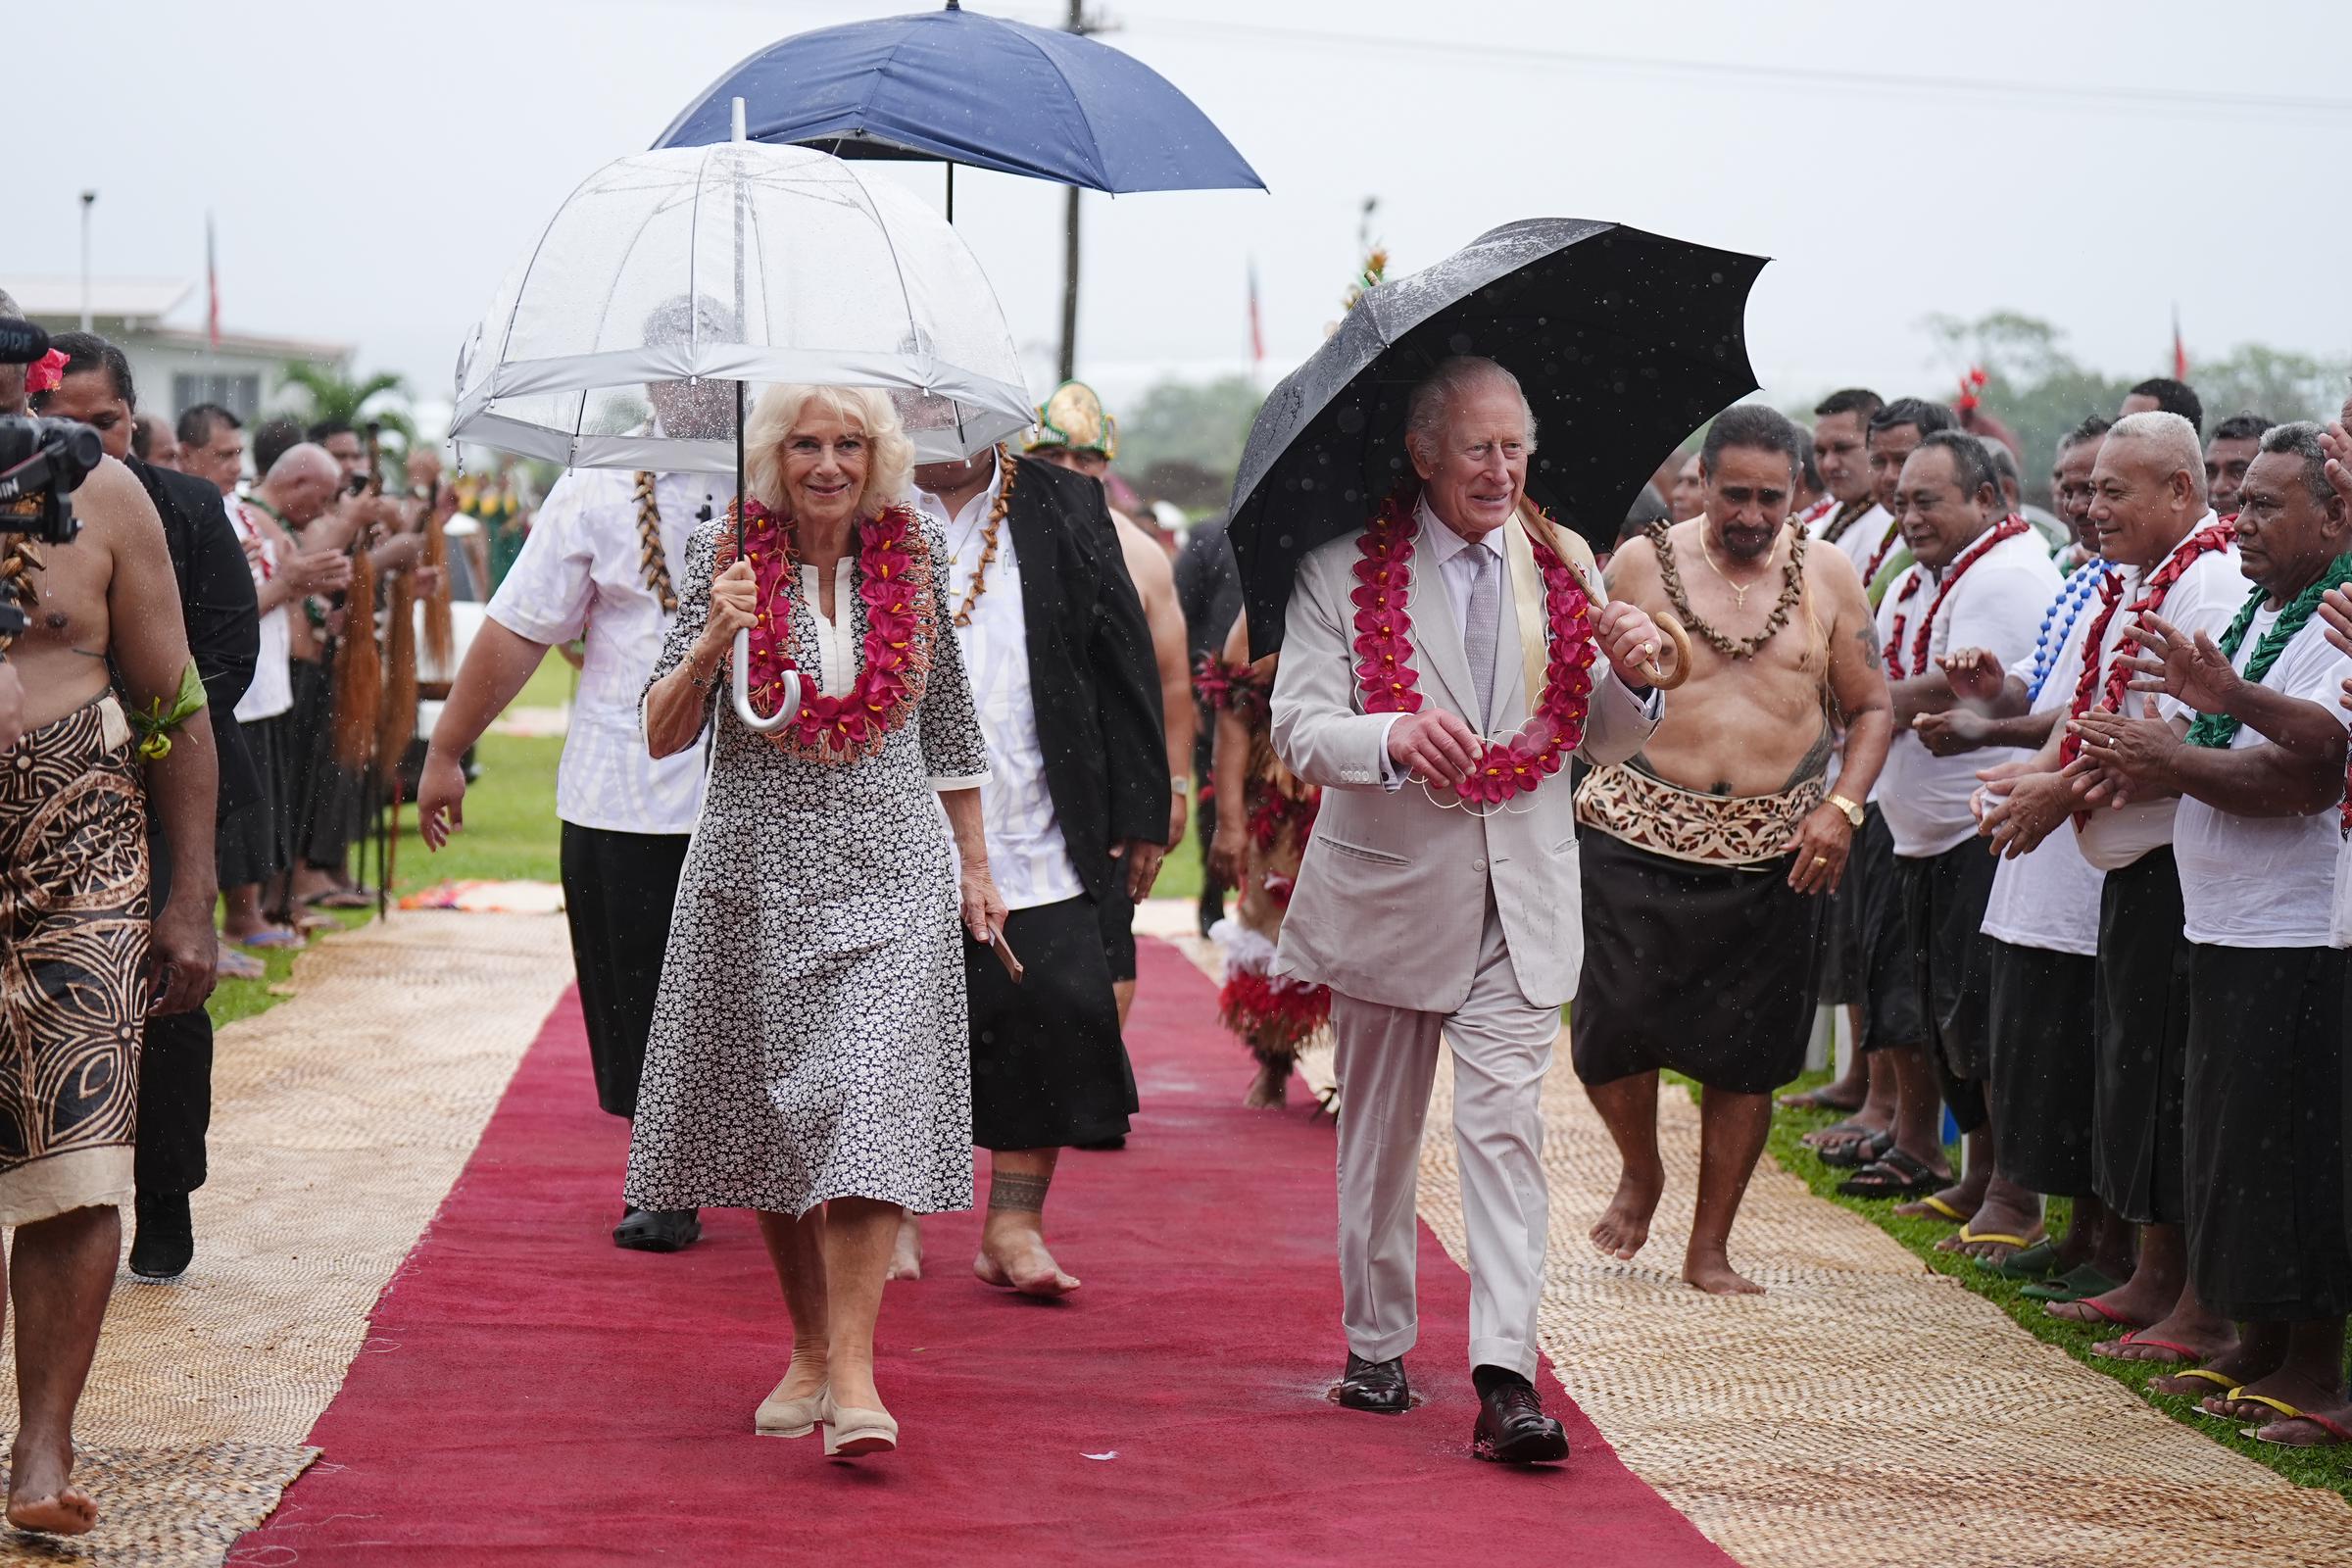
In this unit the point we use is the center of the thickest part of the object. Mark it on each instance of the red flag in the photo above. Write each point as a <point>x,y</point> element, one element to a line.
<point>212,287</point>
<point>1257,330</point>
<point>2179,350</point>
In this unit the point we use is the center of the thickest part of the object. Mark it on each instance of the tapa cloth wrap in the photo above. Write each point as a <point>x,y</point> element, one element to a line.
<point>73,930</point>
<point>1707,964</point>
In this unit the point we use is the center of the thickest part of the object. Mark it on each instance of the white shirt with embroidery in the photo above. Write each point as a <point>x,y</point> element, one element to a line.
<point>1028,856</point>
<point>581,574</point>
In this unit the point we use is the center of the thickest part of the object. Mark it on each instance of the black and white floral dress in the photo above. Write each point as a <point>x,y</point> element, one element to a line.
<point>811,1039</point>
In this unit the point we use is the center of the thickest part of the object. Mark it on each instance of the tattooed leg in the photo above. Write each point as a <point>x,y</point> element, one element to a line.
<point>1013,1242</point>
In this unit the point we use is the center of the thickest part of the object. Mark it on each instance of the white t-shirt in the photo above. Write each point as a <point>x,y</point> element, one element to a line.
<point>1862,537</point>
<point>582,573</point>
<point>2266,881</point>
<point>2049,897</point>
<point>2205,599</point>
<point>1997,604</point>
<point>272,691</point>
<point>1028,855</point>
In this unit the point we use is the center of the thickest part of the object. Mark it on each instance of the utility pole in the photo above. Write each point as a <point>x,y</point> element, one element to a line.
<point>90,199</point>
<point>1082,26</point>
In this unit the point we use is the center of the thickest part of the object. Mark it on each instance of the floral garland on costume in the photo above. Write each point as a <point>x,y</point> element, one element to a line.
<point>1896,668</point>
<point>2073,594</point>
<point>894,579</point>
<point>2220,729</point>
<point>1383,647</point>
<point>2152,594</point>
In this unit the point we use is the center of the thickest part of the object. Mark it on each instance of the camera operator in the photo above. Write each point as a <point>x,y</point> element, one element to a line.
<point>87,952</point>
<point>216,600</point>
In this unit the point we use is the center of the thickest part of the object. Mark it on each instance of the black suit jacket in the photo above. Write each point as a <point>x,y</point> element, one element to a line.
<point>1092,674</point>
<point>217,602</point>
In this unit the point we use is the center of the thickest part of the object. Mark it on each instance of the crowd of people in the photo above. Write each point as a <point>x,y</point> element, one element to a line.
<point>1832,725</point>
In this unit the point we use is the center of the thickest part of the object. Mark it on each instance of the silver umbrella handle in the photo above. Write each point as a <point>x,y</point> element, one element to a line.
<point>742,682</point>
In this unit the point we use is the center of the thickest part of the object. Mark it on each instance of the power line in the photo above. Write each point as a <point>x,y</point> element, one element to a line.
<point>2168,99</point>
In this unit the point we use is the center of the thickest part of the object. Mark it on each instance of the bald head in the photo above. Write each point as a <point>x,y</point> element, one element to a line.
<point>302,483</point>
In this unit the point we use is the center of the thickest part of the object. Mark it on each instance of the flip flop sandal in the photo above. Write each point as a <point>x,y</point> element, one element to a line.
<point>2219,1380</point>
<point>1896,1175</point>
<point>2188,1353</point>
<point>1855,1153</point>
<point>341,899</point>
<point>2238,1395</point>
<point>1816,1100</point>
<point>2032,1262</point>
<point>1943,1210</point>
<point>2107,1313</point>
<point>235,966</point>
<point>2084,1279</point>
<point>2337,1433</point>
<point>277,936</point>
<point>1964,1237</point>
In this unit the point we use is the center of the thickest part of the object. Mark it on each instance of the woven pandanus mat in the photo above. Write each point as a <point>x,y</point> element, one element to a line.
<point>340,1119</point>
<point>1864,1411</point>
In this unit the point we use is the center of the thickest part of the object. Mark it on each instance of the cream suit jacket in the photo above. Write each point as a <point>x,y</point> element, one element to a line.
<point>1390,898</point>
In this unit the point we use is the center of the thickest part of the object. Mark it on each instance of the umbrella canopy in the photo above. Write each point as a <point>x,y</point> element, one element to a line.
<point>732,263</point>
<point>1623,341</point>
<point>977,90</point>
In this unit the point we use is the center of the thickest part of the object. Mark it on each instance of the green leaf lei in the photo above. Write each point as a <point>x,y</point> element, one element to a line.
<point>2220,729</point>
<point>154,727</point>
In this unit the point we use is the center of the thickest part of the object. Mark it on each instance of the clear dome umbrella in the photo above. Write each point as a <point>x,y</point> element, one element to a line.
<point>672,280</point>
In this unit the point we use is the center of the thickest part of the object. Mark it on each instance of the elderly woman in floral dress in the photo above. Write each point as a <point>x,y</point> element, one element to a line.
<point>1264,814</point>
<point>809,1056</point>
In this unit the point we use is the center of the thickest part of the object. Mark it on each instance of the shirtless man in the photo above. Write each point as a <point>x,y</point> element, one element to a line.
<point>1711,854</point>
<point>88,958</point>
<point>1076,434</point>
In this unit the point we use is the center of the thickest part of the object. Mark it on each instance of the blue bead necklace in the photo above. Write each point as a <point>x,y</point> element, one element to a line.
<point>2072,594</point>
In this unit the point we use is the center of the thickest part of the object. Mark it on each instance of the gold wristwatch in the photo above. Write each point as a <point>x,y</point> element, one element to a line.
<point>1853,812</point>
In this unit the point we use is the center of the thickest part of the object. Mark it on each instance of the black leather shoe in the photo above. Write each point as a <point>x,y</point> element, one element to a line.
<point>1375,1386</point>
<point>658,1230</point>
<point>1512,1428</point>
<point>165,1243</point>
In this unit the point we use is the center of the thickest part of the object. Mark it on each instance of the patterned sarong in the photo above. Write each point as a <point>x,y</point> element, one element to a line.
<point>1682,824</point>
<point>74,924</point>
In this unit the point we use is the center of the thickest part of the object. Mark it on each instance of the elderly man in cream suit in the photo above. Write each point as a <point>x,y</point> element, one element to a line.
<point>1424,916</point>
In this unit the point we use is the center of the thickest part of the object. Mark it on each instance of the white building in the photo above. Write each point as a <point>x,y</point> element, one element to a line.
<point>175,366</point>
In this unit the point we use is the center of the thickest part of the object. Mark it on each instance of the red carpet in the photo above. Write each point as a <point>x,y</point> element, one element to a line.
<point>532,1395</point>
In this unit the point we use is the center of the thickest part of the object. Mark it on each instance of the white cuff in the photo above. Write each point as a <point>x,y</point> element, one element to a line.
<point>1391,779</point>
<point>958,781</point>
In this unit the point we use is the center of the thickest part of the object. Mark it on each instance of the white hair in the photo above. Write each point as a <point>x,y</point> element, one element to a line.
<point>780,408</point>
<point>2173,437</point>
<point>1431,407</point>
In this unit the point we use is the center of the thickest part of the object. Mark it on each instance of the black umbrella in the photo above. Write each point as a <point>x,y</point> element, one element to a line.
<point>1624,341</point>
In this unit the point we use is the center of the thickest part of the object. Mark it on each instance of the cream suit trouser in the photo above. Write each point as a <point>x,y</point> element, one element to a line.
<point>1387,1062</point>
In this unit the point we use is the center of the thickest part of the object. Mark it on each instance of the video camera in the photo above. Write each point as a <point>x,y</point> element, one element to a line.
<point>41,463</point>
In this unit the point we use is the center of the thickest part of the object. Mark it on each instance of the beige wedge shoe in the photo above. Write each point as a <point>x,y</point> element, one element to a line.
<point>851,1432</point>
<point>779,1417</point>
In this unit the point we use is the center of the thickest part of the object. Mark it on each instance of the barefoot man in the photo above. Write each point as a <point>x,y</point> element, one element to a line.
<point>1710,854</point>
<point>85,955</point>
<point>1427,913</point>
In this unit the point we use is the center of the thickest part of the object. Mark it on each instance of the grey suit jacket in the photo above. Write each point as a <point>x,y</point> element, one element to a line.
<point>1390,898</point>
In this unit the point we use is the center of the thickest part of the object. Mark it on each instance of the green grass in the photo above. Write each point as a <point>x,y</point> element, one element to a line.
<point>2330,1468</point>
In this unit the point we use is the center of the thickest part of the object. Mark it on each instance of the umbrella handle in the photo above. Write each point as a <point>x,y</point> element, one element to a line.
<point>741,682</point>
<point>1661,679</point>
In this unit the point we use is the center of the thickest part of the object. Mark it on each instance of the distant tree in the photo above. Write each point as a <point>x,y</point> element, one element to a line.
<point>381,397</point>
<point>2032,383</point>
<point>2277,383</point>
<point>1201,423</point>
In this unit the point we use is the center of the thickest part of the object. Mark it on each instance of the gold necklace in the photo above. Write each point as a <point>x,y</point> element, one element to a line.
<point>1739,594</point>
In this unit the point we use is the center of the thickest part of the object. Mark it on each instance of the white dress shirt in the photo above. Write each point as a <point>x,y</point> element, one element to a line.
<point>272,691</point>
<point>1027,853</point>
<point>581,574</point>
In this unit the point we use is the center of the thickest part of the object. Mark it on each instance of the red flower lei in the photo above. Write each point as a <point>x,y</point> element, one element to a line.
<point>1383,647</point>
<point>2009,527</point>
<point>2152,596</point>
<point>894,578</point>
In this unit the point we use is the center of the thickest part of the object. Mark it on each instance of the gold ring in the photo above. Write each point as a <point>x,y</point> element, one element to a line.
<point>1821,860</point>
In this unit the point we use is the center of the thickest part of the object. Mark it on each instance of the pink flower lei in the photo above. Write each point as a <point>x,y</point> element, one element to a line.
<point>894,578</point>
<point>1384,649</point>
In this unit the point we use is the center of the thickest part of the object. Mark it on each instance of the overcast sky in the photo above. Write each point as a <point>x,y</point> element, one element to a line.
<point>375,170</point>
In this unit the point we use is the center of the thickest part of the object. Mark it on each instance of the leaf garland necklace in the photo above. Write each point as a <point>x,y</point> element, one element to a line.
<point>2220,729</point>
<point>2152,594</point>
<point>1792,588</point>
<point>1849,514</point>
<point>989,537</point>
<point>2009,527</point>
<point>654,561</point>
<point>1384,649</point>
<point>895,583</point>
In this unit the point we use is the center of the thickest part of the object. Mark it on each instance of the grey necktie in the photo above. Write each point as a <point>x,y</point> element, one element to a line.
<point>1479,629</point>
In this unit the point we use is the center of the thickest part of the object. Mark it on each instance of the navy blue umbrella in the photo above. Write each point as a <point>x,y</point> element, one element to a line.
<point>975,90</point>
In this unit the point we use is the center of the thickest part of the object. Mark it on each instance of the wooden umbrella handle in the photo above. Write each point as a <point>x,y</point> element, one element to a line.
<point>1661,679</point>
